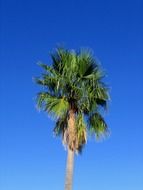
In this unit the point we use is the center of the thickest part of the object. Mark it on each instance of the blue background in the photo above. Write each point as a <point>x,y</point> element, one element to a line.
<point>31,158</point>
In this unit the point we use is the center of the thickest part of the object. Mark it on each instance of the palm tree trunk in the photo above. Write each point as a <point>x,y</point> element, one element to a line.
<point>71,150</point>
<point>69,170</point>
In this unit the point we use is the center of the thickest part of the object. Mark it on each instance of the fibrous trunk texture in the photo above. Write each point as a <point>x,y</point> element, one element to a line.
<point>71,149</point>
<point>71,130</point>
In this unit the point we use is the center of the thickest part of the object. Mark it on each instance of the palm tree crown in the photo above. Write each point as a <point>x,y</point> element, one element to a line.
<point>73,86</point>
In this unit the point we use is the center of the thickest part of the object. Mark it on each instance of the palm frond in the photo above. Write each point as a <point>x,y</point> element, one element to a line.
<point>47,68</point>
<point>80,130</point>
<point>53,105</point>
<point>49,83</point>
<point>61,126</point>
<point>85,64</point>
<point>97,125</point>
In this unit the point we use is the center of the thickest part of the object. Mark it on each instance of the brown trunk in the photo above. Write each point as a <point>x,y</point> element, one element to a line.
<point>71,150</point>
<point>71,130</point>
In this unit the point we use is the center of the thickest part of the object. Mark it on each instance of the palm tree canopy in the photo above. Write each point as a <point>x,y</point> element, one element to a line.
<point>74,81</point>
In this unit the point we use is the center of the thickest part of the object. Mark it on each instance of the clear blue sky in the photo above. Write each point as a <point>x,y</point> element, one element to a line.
<point>30,157</point>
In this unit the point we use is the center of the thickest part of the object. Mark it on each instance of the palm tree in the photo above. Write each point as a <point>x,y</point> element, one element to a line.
<point>74,94</point>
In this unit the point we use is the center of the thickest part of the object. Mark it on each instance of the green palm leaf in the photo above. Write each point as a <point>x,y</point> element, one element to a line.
<point>61,126</point>
<point>81,129</point>
<point>55,106</point>
<point>74,81</point>
<point>97,125</point>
